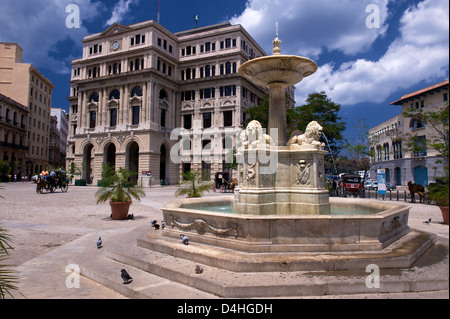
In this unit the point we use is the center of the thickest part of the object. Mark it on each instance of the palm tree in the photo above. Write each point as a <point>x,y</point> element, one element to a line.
<point>7,277</point>
<point>193,186</point>
<point>117,186</point>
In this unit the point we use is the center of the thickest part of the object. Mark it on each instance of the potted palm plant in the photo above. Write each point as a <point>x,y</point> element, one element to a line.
<point>193,186</point>
<point>119,188</point>
<point>439,192</point>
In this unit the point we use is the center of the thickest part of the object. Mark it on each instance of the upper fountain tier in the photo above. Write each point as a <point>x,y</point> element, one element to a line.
<point>277,69</point>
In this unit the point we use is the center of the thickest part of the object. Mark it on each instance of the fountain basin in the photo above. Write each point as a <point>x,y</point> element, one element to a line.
<point>285,69</point>
<point>288,233</point>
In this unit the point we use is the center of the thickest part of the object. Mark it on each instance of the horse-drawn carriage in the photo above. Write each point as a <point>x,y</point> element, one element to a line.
<point>351,185</point>
<point>56,179</point>
<point>224,183</point>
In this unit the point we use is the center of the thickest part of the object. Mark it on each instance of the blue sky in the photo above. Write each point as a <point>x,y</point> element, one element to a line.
<point>361,68</point>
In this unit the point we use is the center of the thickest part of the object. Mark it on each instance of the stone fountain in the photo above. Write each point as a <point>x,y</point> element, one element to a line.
<point>283,235</point>
<point>281,203</point>
<point>290,180</point>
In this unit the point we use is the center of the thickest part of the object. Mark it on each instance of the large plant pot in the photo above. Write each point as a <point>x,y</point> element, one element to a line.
<point>119,210</point>
<point>444,211</point>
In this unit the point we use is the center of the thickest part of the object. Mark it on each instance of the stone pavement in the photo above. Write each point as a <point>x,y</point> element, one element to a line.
<point>53,231</point>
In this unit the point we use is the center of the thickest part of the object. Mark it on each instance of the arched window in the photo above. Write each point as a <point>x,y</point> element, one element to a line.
<point>208,71</point>
<point>162,95</point>
<point>114,95</point>
<point>137,91</point>
<point>416,122</point>
<point>93,97</point>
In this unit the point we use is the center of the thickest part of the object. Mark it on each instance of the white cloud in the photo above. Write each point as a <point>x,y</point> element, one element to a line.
<point>312,27</point>
<point>121,9</point>
<point>308,26</point>
<point>420,53</point>
<point>38,27</point>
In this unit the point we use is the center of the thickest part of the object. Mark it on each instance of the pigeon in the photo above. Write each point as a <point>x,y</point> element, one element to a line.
<point>428,221</point>
<point>126,277</point>
<point>163,224</point>
<point>198,269</point>
<point>184,239</point>
<point>99,243</point>
<point>155,225</point>
<point>130,216</point>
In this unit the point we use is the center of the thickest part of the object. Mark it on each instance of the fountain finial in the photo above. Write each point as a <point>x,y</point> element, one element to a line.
<point>276,46</point>
<point>276,42</point>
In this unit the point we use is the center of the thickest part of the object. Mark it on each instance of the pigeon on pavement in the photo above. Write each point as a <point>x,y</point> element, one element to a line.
<point>99,243</point>
<point>427,221</point>
<point>184,239</point>
<point>155,225</point>
<point>126,277</point>
<point>198,269</point>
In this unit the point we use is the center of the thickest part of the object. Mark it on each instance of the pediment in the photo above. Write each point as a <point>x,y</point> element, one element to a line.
<point>114,29</point>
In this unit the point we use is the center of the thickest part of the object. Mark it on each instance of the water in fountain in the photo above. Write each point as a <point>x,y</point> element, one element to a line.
<point>329,148</point>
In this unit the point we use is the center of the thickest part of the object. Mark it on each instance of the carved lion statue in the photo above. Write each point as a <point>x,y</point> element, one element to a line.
<point>311,136</point>
<point>254,136</point>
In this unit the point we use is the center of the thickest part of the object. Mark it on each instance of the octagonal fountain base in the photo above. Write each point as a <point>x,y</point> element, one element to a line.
<point>379,225</point>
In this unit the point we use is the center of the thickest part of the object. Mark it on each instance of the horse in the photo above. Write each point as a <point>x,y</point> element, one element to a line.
<point>416,188</point>
<point>233,183</point>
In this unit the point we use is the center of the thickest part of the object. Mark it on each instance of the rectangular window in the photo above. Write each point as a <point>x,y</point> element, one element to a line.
<point>163,118</point>
<point>187,119</point>
<point>207,120</point>
<point>113,118</point>
<point>135,119</point>
<point>228,118</point>
<point>92,119</point>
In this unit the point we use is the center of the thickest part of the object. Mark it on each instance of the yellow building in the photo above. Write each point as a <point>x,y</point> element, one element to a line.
<point>23,83</point>
<point>389,139</point>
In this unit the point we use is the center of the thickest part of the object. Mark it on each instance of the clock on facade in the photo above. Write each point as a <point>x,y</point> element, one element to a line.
<point>115,45</point>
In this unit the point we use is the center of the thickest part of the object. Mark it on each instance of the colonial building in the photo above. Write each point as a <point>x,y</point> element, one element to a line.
<point>23,83</point>
<point>13,135</point>
<point>389,139</point>
<point>135,84</point>
<point>59,129</point>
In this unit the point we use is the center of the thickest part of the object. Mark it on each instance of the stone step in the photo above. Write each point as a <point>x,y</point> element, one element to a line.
<point>401,254</point>
<point>216,281</point>
<point>144,285</point>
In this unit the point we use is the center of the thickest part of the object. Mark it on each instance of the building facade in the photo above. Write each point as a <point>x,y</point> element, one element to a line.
<point>135,84</point>
<point>23,83</point>
<point>389,139</point>
<point>59,129</point>
<point>13,135</point>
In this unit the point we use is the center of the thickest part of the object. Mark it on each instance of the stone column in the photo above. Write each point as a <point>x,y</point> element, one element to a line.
<point>277,112</point>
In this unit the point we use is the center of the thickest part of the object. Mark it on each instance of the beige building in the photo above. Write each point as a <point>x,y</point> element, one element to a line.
<point>389,139</point>
<point>13,135</point>
<point>23,83</point>
<point>135,84</point>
